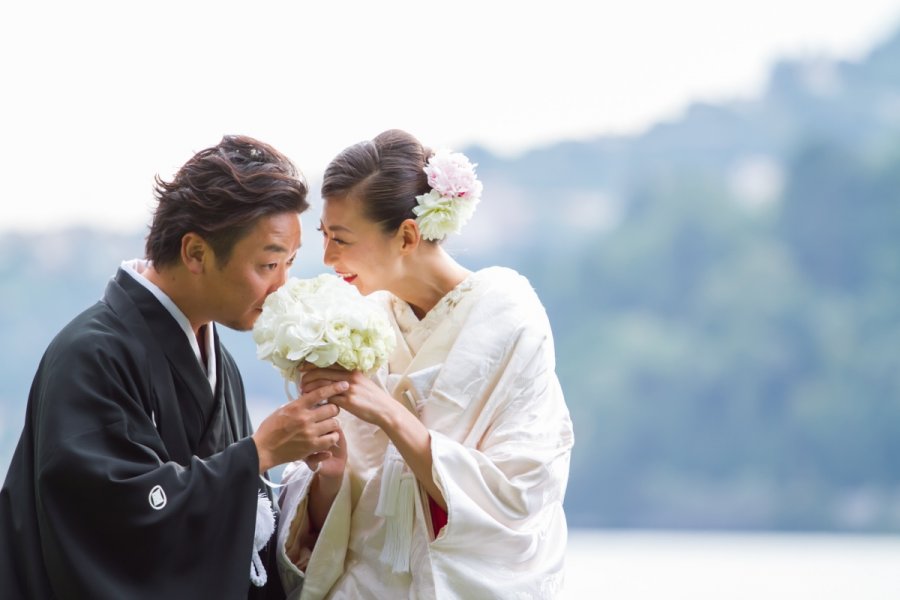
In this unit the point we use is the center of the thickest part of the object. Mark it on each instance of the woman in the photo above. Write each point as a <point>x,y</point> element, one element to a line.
<point>450,477</point>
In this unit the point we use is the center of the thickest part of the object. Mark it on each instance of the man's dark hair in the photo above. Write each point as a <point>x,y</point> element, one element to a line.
<point>220,194</point>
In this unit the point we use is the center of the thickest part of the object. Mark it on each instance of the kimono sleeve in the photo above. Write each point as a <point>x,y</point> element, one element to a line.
<point>324,552</point>
<point>504,494</point>
<point>115,517</point>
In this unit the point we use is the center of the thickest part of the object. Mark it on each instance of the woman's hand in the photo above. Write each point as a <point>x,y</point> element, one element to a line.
<point>365,399</point>
<point>327,482</point>
<point>368,401</point>
<point>331,463</point>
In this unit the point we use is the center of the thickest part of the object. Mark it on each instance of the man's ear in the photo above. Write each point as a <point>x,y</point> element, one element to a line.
<point>195,253</point>
<point>409,236</point>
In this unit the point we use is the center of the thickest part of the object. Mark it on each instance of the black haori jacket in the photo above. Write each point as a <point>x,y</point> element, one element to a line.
<point>132,478</point>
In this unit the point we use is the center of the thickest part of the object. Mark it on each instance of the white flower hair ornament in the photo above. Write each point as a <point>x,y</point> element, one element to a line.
<point>455,192</point>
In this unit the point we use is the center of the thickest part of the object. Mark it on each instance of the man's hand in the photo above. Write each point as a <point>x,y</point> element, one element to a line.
<point>299,428</point>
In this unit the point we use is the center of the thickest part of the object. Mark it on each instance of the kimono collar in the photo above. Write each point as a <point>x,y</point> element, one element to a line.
<point>135,268</point>
<point>416,332</point>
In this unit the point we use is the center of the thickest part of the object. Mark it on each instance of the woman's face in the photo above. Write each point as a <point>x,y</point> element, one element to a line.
<point>356,248</point>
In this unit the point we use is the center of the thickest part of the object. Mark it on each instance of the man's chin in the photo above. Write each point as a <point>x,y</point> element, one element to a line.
<point>243,325</point>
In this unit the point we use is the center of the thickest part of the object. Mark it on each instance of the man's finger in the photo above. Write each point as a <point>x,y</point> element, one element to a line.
<point>319,396</point>
<point>333,390</point>
<point>322,413</point>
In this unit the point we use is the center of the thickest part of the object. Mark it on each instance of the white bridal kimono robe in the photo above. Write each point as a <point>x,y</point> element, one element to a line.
<point>479,372</point>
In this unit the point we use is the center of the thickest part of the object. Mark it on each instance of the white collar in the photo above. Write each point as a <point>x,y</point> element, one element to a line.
<point>136,269</point>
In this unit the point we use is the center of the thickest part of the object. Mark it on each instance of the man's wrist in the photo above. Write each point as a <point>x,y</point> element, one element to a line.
<point>264,457</point>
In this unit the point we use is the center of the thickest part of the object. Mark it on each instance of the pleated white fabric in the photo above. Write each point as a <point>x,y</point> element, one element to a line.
<point>479,370</point>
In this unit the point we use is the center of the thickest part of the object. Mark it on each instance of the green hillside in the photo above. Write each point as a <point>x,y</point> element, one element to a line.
<point>723,290</point>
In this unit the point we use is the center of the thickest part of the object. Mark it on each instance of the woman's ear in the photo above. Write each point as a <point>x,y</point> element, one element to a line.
<point>194,252</point>
<point>409,236</point>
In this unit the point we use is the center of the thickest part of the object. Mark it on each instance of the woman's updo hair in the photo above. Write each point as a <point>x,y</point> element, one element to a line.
<point>385,174</point>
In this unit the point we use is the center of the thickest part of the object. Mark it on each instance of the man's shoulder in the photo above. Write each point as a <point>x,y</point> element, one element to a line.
<point>95,329</point>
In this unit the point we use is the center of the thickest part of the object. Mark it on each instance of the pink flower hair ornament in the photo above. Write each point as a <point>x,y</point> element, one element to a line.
<point>455,192</point>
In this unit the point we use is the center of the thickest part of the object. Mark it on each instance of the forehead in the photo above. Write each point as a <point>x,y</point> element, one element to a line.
<point>345,212</point>
<point>274,233</point>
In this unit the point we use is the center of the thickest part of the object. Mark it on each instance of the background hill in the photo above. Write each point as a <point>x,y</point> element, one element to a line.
<point>723,290</point>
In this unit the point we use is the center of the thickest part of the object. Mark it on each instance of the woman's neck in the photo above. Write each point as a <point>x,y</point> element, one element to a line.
<point>429,280</point>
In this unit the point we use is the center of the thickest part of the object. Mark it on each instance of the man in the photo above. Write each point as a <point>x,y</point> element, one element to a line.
<point>136,475</point>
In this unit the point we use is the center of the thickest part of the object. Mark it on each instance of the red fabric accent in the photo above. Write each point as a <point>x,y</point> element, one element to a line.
<point>438,516</point>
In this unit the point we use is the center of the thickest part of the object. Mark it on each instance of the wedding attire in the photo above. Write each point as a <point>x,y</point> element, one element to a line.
<point>479,371</point>
<point>135,476</point>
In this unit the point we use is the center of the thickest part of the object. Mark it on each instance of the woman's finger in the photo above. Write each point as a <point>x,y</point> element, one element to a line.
<point>311,386</point>
<point>329,374</point>
<point>312,461</point>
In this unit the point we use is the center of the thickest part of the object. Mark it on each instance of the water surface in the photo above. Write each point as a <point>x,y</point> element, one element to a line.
<point>631,565</point>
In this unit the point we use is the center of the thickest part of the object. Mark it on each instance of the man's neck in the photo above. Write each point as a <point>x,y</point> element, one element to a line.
<point>172,289</point>
<point>168,280</point>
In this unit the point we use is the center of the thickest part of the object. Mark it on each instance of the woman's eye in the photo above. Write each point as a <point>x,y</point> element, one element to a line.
<point>324,233</point>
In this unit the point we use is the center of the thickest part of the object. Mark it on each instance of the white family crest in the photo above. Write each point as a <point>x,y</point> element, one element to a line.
<point>157,497</point>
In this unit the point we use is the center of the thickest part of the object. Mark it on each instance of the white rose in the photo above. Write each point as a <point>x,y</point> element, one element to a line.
<point>322,321</point>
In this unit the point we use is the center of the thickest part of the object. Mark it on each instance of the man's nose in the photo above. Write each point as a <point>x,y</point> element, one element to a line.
<point>279,279</point>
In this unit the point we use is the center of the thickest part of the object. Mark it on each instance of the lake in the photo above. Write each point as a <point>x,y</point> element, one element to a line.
<point>631,565</point>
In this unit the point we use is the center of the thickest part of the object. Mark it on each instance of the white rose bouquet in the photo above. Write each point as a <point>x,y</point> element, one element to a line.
<point>322,322</point>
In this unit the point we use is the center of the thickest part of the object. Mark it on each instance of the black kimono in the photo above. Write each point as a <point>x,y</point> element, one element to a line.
<point>132,479</point>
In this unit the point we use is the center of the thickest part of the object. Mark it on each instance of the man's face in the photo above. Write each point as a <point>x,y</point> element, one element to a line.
<point>258,266</point>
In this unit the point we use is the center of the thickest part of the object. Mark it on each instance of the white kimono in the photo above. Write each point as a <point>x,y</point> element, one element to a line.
<point>479,370</point>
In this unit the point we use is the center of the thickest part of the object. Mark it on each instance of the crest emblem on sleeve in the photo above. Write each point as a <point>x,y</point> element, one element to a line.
<point>157,497</point>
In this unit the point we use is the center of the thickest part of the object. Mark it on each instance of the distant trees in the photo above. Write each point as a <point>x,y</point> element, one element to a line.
<point>741,369</point>
<point>726,365</point>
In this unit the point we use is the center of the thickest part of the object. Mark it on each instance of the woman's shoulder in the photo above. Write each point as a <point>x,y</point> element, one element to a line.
<point>507,286</point>
<point>509,299</point>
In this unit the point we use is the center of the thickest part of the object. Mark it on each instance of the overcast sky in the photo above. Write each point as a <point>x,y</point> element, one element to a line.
<point>98,97</point>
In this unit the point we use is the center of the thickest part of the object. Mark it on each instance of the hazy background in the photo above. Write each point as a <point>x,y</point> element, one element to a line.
<point>99,96</point>
<point>706,196</point>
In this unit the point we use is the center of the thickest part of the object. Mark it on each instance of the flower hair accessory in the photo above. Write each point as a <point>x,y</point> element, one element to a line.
<point>455,191</point>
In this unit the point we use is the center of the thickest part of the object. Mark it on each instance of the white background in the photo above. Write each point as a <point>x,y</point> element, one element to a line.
<point>98,97</point>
